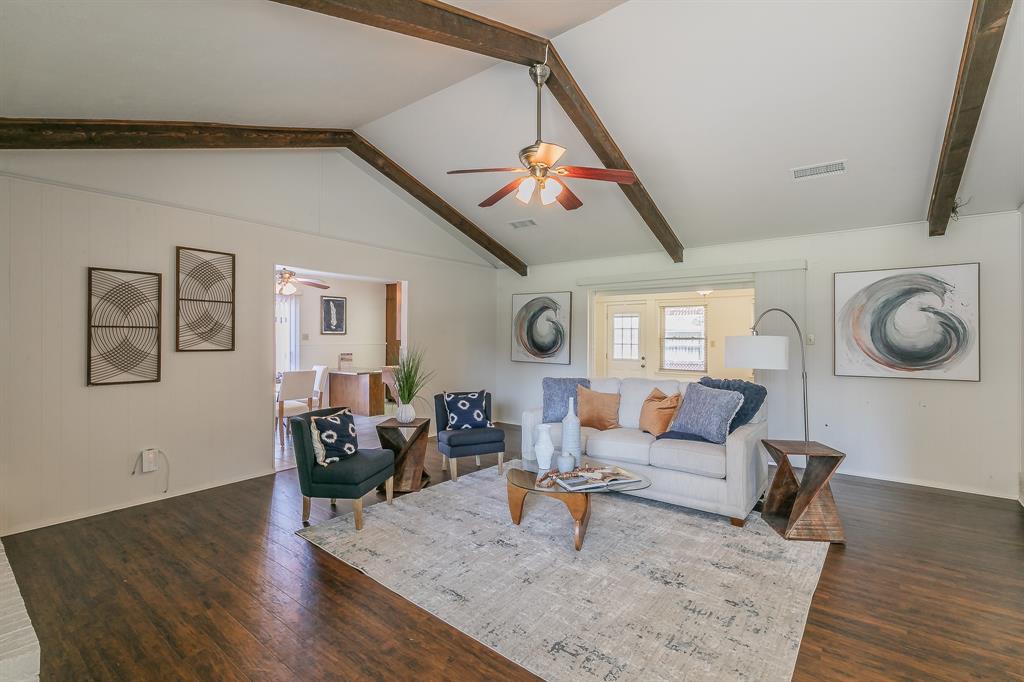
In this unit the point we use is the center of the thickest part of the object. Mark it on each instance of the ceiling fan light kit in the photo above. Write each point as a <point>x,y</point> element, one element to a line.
<point>539,161</point>
<point>285,281</point>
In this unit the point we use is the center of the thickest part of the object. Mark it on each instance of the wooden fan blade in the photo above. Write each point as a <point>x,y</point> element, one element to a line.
<point>501,193</point>
<point>568,200</point>
<point>623,177</point>
<point>488,170</point>
<point>311,282</point>
<point>548,154</point>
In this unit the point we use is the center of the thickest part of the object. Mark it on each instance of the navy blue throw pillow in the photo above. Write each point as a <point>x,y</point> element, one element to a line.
<point>335,435</point>
<point>467,410</point>
<point>753,398</point>
<point>680,435</point>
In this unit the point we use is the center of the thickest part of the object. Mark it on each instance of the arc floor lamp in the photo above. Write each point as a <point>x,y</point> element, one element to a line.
<point>767,352</point>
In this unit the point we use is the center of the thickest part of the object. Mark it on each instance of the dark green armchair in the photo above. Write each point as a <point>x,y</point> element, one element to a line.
<point>348,479</point>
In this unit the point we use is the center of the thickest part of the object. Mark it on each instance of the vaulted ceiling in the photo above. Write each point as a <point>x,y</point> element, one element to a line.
<point>712,102</point>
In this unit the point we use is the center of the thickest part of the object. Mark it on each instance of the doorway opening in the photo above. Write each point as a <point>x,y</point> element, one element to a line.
<point>674,334</point>
<point>335,338</point>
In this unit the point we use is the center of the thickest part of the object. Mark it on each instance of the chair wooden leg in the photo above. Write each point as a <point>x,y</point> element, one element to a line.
<point>280,421</point>
<point>305,508</point>
<point>453,466</point>
<point>334,501</point>
<point>444,463</point>
<point>737,522</point>
<point>478,461</point>
<point>309,403</point>
<point>389,490</point>
<point>357,506</point>
<point>501,463</point>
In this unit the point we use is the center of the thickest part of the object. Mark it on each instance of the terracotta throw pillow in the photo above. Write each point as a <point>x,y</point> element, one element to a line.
<point>597,410</point>
<point>657,412</point>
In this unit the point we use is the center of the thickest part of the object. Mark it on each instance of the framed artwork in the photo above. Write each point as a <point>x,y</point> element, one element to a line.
<point>124,327</point>
<point>542,328</point>
<point>909,323</point>
<point>205,300</point>
<point>333,311</point>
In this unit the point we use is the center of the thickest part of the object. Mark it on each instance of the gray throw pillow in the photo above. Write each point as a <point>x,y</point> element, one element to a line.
<point>557,391</point>
<point>707,412</point>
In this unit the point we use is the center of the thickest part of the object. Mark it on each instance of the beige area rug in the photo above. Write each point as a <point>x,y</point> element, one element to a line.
<point>657,593</point>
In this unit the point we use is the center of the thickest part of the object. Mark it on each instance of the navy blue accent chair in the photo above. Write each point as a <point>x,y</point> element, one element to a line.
<point>349,479</point>
<point>456,443</point>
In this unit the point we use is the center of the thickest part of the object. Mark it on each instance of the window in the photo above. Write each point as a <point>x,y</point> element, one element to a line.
<point>683,344</point>
<point>626,339</point>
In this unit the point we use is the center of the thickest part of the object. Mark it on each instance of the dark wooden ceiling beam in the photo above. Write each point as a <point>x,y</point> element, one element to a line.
<point>455,27</point>
<point>35,133</point>
<point>981,47</point>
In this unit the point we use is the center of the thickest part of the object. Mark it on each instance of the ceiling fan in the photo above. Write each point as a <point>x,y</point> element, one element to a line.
<point>287,279</point>
<point>539,161</point>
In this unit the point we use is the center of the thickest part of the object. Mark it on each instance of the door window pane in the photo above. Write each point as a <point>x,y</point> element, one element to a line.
<point>683,344</point>
<point>625,336</point>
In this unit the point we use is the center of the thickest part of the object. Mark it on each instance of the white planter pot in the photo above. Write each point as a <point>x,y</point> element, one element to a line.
<point>406,413</point>
<point>544,448</point>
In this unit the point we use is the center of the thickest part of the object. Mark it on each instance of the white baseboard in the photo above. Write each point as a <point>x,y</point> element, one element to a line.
<point>145,500</point>
<point>928,484</point>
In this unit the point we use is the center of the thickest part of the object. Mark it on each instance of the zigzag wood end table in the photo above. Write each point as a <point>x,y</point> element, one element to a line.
<point>804,509</point>
<point>409,443</point>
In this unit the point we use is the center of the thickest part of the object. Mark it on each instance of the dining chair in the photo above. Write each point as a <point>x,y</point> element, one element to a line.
<point>320,385</point>
<point>295,396</point>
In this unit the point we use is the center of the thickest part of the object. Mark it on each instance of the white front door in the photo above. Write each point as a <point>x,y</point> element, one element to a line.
<point>626,356</point>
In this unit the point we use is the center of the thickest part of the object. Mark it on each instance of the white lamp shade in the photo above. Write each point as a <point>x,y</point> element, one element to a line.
<point>757,352</point>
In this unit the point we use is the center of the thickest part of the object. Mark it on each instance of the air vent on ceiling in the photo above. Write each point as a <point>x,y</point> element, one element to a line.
<point>517,224</point>
<point>819,170</point>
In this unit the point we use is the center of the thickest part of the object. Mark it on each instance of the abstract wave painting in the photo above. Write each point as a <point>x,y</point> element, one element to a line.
<point>916,323</point>
<point>542,327</point>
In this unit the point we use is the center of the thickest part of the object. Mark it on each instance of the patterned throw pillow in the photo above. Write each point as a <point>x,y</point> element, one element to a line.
<point>753,398</point>
<point>557,391</point>
<point>467,410</point>
<point>334,437</point>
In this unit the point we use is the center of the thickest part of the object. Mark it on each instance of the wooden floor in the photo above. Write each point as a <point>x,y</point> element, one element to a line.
<point>216,585</point>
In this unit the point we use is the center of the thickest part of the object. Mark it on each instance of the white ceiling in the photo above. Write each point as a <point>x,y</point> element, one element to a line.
<point>711,101</point>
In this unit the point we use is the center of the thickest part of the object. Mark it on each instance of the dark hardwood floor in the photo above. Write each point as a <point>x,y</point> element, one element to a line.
<point>216,585</point>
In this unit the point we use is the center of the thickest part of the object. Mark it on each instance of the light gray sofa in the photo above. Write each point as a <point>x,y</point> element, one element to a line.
<point>723,479</point>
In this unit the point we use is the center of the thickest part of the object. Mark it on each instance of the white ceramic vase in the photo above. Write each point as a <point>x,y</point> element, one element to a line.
<point>544,448</point>
<point>571,433</point>
<point>406,413</point>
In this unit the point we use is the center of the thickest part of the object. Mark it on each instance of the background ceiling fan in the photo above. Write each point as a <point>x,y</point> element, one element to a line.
<point>286,280</point>
<point>539,161</point>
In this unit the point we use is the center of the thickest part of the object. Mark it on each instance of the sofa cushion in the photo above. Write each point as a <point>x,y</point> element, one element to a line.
<point>692,457</point>
<point>556,435</point>
<point>356,469</point>
<point>658,411</point>
<point>633,392</point>
<point>623,445</point>
<point>456,437</point>
<point>605,385</point>
<point>557,391</point>
<point>707,412</point>
<point>753,398</point>
<point>597,410</point>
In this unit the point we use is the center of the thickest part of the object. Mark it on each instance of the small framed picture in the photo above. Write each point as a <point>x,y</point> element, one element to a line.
<point>333,311</point>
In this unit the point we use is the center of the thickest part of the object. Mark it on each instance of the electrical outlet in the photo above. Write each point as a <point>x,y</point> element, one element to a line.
<point>150,461</point>
<point>810,339</point>
<point>305,337</point>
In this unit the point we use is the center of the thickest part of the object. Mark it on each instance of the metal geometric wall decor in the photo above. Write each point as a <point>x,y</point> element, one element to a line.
<point>124,327</point>
<point>205,316</point>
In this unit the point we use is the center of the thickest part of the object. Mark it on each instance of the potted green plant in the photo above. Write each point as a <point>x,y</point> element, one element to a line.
<point>411,377</point>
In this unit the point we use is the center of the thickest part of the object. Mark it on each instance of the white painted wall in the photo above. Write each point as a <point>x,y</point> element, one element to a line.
<point>957,435</point>
<point>365,324</point>
<point>67,450</point>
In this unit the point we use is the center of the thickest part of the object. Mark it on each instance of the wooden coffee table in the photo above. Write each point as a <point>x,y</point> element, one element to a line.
<point>522,481</point>
<point>804,509</point>
<point>409,443</point>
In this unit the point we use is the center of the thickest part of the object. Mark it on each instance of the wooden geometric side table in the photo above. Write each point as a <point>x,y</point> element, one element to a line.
<point>409,443</point>
<point>804,509</point>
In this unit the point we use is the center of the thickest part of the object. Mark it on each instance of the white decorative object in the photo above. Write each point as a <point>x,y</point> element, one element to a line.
<point>566,463</point>
<point>571,433</point>
<point>544,447</point>
<point>406,413</point>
